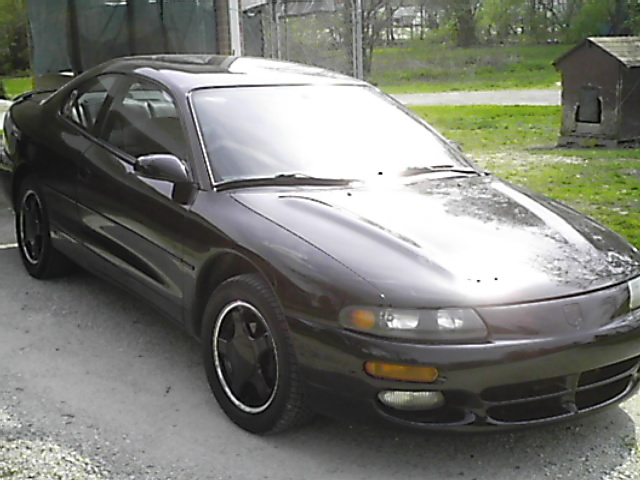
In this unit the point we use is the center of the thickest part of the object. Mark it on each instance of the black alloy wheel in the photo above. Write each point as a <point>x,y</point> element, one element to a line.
<point>245,357</point>
<point>38,255</point>
<point>249,357</point>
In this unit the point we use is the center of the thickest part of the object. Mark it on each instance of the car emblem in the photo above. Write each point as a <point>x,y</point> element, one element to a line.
<point>573,315</point>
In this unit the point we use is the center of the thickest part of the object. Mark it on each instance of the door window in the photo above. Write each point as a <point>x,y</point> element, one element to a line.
<point>84,104</point>
<point>144,121</point>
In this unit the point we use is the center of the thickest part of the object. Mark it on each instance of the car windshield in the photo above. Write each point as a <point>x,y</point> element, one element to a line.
<point>321,132</point>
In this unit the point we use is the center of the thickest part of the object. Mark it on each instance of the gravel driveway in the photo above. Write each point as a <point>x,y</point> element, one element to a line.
<point>94,385</point>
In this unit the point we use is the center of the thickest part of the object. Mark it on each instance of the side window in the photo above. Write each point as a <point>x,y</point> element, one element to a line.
<point>145,121</point>
<point>84,104</point>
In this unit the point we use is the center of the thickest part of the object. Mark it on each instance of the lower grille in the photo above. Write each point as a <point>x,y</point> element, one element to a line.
<point>560,397</point>
<point>444,416</point>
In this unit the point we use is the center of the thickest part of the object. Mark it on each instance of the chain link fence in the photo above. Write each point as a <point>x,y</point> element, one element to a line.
<point>322,33</point>
<point>336,34</point>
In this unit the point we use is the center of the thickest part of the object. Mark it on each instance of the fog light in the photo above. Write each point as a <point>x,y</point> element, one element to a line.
<point>402,400</point>
<point>407,373</point>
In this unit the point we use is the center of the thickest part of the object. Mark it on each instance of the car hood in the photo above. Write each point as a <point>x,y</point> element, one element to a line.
<point>454,241</point>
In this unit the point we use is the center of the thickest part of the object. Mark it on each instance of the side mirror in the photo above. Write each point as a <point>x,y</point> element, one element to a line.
<point>162,166</point>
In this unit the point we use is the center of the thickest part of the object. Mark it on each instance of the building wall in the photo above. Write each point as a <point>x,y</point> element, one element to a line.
<point>629,118</point>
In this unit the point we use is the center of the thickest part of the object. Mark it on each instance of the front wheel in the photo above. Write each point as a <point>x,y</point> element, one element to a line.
<point>249,357</point>
<point>38,255</point>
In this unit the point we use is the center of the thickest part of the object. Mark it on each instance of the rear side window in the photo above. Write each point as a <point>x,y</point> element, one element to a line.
<point>85,103</point>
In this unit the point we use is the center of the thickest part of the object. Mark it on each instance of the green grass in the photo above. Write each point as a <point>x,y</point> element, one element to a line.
<point>17,85</point>
<point>419,66</point>
<point>604,184</point>
<point>489,128</point>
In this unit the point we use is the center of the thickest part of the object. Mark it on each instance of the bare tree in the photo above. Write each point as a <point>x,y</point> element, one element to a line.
<point>462,14</point>
<point>465,14</point>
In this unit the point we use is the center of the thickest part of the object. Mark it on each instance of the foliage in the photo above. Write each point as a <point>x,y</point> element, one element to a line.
<point>474,22</point>
<point>501,19</point>
<point>14,45</point>
<point>600,17</point>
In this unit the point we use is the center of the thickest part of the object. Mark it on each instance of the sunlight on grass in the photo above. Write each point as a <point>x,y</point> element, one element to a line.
<point>17,85</point>
<point>495,128</point>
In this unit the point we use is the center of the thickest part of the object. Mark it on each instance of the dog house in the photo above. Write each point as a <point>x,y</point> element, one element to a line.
<point>601,92</point>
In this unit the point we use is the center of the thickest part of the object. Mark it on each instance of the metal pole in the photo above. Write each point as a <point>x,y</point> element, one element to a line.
<point>75,56</point>
<point>285,30</point>
<point>223,34</point>
<point>278,30</point>
<point>359,49</point>
<point>234,27</point>
<point>272,30</point>
<point>163,27</point>
<point>131,27</point>
<point>354,39</point>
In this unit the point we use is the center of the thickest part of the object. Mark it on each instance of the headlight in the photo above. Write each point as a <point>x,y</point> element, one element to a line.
<point>447,325</point>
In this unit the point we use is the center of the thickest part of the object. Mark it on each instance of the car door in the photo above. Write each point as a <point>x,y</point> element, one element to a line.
<point>62,146</point>
<point>134,225</point>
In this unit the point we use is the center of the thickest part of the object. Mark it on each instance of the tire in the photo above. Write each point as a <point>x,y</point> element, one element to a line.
<point>38,255</point>
<point>249,359</point>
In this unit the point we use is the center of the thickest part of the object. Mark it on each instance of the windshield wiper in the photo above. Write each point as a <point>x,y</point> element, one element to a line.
<point>282,179</point>
<point>438,168</point>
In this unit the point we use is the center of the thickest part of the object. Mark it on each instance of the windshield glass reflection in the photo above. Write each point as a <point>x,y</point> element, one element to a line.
<point>335,131</point>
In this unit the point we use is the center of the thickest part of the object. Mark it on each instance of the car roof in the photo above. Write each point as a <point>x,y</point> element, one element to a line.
<point>192,72</point>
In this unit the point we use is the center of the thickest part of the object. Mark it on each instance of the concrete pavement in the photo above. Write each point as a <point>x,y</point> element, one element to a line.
<point>96,371</point>
<point>550,96</point>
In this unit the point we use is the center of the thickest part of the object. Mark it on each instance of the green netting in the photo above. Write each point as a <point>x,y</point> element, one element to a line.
<point>78,34</point>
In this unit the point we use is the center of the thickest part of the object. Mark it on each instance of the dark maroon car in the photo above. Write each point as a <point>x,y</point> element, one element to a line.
<point>330,250</point>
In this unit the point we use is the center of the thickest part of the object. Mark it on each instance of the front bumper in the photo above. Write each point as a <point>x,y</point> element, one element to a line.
<point>501,384</point>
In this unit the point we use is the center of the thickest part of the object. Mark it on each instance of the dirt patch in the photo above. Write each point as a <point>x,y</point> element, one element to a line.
<point>521,159</point>
<point>632,172</point>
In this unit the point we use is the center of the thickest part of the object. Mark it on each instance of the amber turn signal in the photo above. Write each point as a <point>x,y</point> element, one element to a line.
<point>407,373</point>
<point>363,319</point>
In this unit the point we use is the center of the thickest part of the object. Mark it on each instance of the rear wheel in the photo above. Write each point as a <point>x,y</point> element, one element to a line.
<point>249,357</point>
<point>38,255</point>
